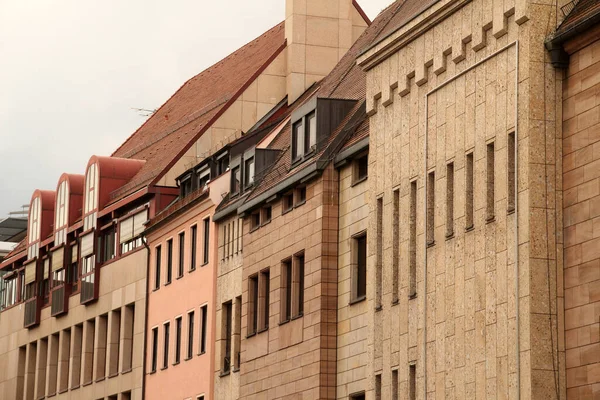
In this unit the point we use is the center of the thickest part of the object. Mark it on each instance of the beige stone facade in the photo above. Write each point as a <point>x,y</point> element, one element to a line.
<point>92,352</point>
<point>445,119</point>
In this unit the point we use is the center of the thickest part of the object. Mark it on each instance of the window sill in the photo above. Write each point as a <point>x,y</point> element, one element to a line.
<point>191,270</point>
<point>510,210</point>
<point>266,223</point>
<point>179,277</point>
<point>167,283</point>
<point>449,235</point>
<point>176,363</point>
<point>430,243</point>
<point>224,374</point>
<point>113,375</point>
<point>358,181</point>
<point>204,264</point>
<point>163,368</point>
<point>73,388</point>
<point>254,229</point>
<point>63,391</point>
<point>262,330</point>
<point>470,228</point>
<point>155,289</point>
<point>395,302</point>
<point>202,353</point>
<point>51,395</point>
<point>248,336</point>
<point>378,308</point>
<point>126,371</point>
<point>236,369</point>
<point>297,316</point>
<point>287,211</point>
<point>187,358</point>
<point>100,379</point>
<point>300,203</point>
<point>151,372</point>
<point>357,300</point>
<point>491,219</point>
<point>284,322</point>
<point>87,383</point>
<point>412,296</point>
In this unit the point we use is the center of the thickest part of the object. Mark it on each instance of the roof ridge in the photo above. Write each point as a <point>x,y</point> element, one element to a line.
<point>269,31</point>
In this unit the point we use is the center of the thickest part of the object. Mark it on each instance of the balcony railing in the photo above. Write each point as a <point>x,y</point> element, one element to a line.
<point>32,313</point>
<point>88,289</point>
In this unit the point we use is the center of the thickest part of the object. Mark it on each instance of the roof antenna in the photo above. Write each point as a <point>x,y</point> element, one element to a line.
<point>143,112</point>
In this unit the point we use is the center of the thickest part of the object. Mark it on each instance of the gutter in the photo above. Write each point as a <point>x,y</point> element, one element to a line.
<point>555,44</point>
<point>342,158</point>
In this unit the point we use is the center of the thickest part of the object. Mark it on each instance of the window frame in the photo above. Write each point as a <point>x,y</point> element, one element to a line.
<point>169,266</point>
<point>181,254</point>
<point>356,295</point>
<point>193,246</point>
<point>191,317</point>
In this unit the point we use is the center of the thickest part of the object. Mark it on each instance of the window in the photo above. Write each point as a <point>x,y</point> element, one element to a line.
<point>157,266</point>
<point>88,278</point>
<point>511,157</point>
<point>193,246</point>
<point>358,396</point>
<point>412,272</point>
<point>58,277</point>
<point>266,215</point>
<point>74,267</point>
<point>186,186</point>
<point>396,248</point>
<point>286,290</point>
<point>298,286</point>
<point>154,349</point>
<point>412,382</point>
<point>201,397</point>
<point>490,201</point>
<point>190,341</point>
<point>107,241</point>
<point>263,309</point>
<point>226,313</point>
<point>310,137</point>
<point>361,169</point>
<point>181,254</point>
<point>203,318</point>
<point>9,294</point>
<point>379,255</point>
<point>203,178</point>
<point>450,200</point>
<point>254,220</point>
<point>300,196</point>
<point>395,384</point>
<point>252,304</point>
<point>206,223</point>
<point>431,208</point>
<point>469,203</point>
<point>378,387</point>
<point>222,164</point>
<point>359,275</point>
<point>235,180</point>
<point>249,172</point>
<point>288,202</point>
<point>169,261</point>
<point>237,328</point>
<point>177,340</point>
<point>61,208</point>
<point>297,141</point>
<point>131,229</point>
<point>166,328</point>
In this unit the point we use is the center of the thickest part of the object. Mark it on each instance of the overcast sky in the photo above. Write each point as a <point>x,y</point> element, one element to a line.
<point>72,70</point>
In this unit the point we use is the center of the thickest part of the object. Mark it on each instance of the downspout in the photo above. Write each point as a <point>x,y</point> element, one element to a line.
<point>145,242</point>
<point>516,241</point>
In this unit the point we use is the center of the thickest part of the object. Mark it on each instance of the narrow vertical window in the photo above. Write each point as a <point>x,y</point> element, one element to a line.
<point>359,273</point>
<point>412,273</point>
<point>298,288</point>
<point>169,260</point>
<point>395,384</point>
<point>252,304</point>
<point>206,242</point>
<point>511,172</point>
<point>449,200</point>
<point>378,387</point>
<point>396,247</point>
<point>490,200</point>
<point>166,327</point>
<point>237,329</point>
<point>379,254</point>
<point>412,382</point>
<point>181,254</point>
<point>264,287</point>
<point>193,246</point>
<point>154,349</point>
<point>203,327</point>
<point>227,313</point>
<point>431,208</point>
<point>177,340</point>
<point>286,290</point>
<point>469,201</point>
<point>157,266</point>
<point>190,343</point>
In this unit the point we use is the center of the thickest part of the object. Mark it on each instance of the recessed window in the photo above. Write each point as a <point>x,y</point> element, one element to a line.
<point>252,304</point>
<point>360,169</point>
<point>167,328</point>
<point>359,273</point>
<point>154,349</point>
<point>157,266</point>
<point>263,307</point>
<point>190,342</point>
<point>235,180</point>
<point>177,340</point>
<point>297,141</point>
<point>181,254</point>
<point>255,220</point>
<point>206,241</point>
<point>169,260</point>
<point>358,396</point>
<point>203,178</point>
<point>287,202</point>
<point>310,137</point>
<point>286,290</point>
<point>266,215</point>
<point>292,288</point>
<point>301,195</point>
<point>186,186</point>
<point>107,244</point>
<point>193,246</point>
<point>222,164</point>
<point>226,314</point>
<point>249,172</point>
<point>203,328</point>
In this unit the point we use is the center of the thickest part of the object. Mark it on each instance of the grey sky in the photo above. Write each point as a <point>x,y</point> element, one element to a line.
<point>71,70</point>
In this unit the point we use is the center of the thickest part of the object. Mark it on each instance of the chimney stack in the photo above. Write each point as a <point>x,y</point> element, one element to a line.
<point>318,33</point>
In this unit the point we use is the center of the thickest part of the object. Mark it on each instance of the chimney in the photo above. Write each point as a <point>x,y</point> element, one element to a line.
<point>318,33</point>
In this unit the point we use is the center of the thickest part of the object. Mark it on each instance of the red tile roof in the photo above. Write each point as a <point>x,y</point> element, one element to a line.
<point>581,12</point>
<point>178,123</point>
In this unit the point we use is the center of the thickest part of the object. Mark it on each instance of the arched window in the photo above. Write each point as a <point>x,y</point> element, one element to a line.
<point>91,197</point>
<point>62,209</point>
<point>35,212</point>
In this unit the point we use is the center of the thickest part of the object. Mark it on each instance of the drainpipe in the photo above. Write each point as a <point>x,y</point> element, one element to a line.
<point>145,242</point>
<point>516,241</point>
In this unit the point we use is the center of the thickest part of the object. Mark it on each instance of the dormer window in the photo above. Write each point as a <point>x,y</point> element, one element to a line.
<point>304,136</point>
<point>249,172</point>
<point>186,186</point>
<point>203,178</point>
<point>222,164</point>
<point>235,180</point>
